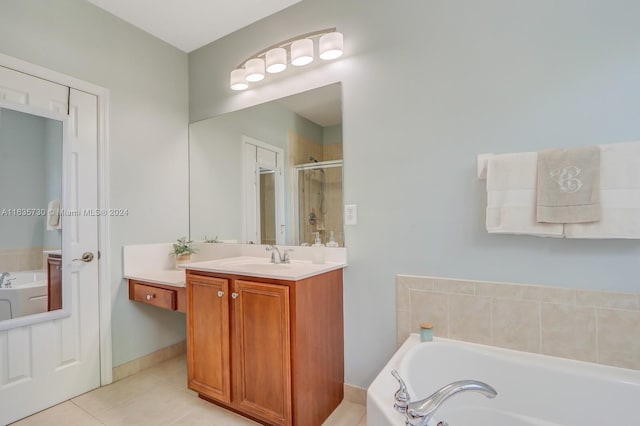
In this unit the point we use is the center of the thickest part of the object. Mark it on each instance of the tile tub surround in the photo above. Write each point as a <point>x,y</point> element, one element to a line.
<point>585,325</point>
<point>21,259</point>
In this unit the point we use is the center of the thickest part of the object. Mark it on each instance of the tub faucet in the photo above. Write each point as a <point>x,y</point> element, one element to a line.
<point>284,257</point>
<point>419,413</point>
<point>2,278</point>
<point>402,396</point>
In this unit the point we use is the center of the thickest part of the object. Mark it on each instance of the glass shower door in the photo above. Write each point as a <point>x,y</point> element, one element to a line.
<point>319,202</point>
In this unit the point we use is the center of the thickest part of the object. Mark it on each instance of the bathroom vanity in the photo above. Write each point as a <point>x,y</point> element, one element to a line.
<point>54,281</point>
<point>266,340</point>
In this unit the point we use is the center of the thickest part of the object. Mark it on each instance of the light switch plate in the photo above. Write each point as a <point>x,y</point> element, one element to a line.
<point>350,214</point>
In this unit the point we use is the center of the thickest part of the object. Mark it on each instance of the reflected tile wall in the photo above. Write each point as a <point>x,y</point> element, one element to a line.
<point>21,259</point>
<point>594,326</point>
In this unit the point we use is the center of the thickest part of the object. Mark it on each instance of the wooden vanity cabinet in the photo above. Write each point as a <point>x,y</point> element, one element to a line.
<point>54,282</point>
<point>271,350</point>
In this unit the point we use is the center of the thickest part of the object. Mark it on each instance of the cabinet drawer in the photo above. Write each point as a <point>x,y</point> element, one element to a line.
<point>155,296</point>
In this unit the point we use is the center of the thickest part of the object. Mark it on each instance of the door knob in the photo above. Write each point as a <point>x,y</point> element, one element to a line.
<point>86,257</point>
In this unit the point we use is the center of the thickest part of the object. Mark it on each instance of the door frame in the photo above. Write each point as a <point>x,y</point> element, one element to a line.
<point>279,187</point>
<point>104,267</point>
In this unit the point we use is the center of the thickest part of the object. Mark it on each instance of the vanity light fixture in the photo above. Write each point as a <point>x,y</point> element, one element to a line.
<point>297,51</point>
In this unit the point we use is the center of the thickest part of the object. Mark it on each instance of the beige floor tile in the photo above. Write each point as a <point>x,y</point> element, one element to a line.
<point>119,393</point>
<point>158,396</point>
<point>67,414</point>
<point>363,422</point>
<point>347,414</point>
<point>203,413</point>
<point>160,406</point>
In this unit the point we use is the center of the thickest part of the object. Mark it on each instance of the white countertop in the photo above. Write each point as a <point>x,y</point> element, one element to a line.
<point>261,267</point>
<point>166,277</point>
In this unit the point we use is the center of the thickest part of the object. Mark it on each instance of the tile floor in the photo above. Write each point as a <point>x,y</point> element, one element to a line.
<point>158,396</point>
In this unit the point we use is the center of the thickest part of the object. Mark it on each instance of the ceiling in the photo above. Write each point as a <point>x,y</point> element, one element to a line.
<point>323,106</point>
<point>191,24</point>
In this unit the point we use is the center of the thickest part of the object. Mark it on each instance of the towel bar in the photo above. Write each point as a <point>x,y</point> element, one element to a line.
<point>483,160</point>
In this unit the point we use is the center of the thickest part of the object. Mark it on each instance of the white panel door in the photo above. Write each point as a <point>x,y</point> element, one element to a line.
<point>49,362</point>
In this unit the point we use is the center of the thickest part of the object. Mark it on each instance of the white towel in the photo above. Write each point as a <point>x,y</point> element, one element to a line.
<point>53,215</point>
<point>511,196</point>
<point>619,195</point>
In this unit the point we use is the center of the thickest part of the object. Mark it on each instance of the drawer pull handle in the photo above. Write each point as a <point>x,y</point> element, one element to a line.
<point>150,296</point>
<point>234,295</point>
<point>220,293</point>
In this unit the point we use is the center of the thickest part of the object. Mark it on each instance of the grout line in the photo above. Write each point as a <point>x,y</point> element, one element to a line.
<point>540,328</point>
<point>491,321</point>
<point>597,335</point>
<point>86,411</point>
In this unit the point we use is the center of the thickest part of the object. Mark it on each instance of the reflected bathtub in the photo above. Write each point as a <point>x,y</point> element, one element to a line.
<point>27,295</point>
<point>532,389</point>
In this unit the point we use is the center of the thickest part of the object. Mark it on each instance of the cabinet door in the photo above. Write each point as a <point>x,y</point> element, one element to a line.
<point>262,375</point>
<point>208,337</point>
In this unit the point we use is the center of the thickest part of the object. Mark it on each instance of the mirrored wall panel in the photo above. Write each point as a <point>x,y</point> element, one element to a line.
<point>270,174</point>
<point>30,214</point>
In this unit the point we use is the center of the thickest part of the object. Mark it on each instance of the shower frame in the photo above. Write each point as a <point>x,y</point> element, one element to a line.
<point>320,165</point>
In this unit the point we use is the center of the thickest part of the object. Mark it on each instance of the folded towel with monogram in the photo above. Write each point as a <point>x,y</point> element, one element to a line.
<point>511,197</point>
<point>619,195</point>
<point>568,189</point>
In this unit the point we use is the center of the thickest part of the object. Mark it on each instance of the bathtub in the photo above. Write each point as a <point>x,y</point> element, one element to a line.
<point>532,389</point>
<point>27,295</point>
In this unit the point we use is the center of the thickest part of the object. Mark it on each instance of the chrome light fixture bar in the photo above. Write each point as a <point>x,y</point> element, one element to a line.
<point>297,51</point>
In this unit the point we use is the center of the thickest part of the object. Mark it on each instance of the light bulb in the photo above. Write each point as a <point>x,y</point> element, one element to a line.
<point>302,52</point>
<point>254,69</point>
<point>238,81</point>
<point>276,60</point>
<point>331,46</point>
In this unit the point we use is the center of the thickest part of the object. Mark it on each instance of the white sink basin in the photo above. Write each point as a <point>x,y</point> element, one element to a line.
<point>262,267</point>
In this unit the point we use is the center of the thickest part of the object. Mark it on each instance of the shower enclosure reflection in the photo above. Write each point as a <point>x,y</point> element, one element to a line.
<point>319,201</point>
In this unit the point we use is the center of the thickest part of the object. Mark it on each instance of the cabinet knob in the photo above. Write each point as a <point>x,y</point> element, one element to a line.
<point>220,293</point>
<point>234,295</point>
<point>57,267</point>
<point>150,296</point>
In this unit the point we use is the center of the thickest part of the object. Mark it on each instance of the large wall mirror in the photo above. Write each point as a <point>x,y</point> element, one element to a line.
<point>31,194</point>
<point>271,173</point>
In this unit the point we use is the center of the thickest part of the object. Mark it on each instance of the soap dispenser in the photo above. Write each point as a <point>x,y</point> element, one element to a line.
<point>317,249</point>
<point>332,241</point>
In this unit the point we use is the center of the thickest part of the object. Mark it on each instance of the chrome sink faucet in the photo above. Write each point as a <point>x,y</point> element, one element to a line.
<point>419,413</point>
<point>284,257</point>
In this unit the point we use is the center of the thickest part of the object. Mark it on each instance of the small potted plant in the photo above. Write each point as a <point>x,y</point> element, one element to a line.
<point>183,250</point>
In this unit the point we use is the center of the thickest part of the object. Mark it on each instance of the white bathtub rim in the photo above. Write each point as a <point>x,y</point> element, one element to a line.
<point>565,365</point>
<point>39,276</point>
<point>381,391</point>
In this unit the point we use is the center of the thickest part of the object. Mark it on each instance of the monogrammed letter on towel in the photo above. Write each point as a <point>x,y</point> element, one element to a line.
<point>568,189</point>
